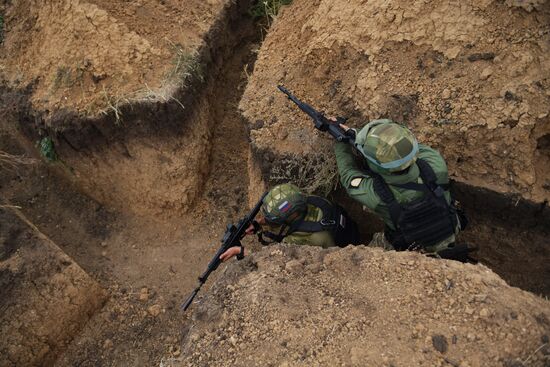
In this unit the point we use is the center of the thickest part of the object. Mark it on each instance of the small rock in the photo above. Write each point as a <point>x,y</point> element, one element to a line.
<point>144,294</point>
<point>108,344</point>
<point>257,125</point>
<point>104,253</point>
<point>104,244</point>
<point>154,310</point>
<point>487,56</point>
<point>452,52</point>
<point>446,94</point>
<point>440,343</point>
<point>481,298</point>
<point>484,312</point>
<point>486,73</point>
<point>293,265</point>
<point>469,311</point>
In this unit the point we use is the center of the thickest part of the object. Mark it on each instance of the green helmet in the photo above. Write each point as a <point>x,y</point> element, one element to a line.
<point>387,145</point>
<point>284,204</point>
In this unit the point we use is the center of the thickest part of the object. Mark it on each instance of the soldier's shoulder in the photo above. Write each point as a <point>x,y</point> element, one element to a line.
<point>361,188</point>
<point>432,157</point>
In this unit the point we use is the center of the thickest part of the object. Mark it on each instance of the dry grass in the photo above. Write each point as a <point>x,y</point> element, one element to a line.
<point>11,161</point>
<point>314,174</point>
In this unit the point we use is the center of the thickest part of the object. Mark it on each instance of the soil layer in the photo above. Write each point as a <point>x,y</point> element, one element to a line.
<point>305,306</point>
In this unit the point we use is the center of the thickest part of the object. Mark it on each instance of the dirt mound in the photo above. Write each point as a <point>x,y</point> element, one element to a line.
<point>45,297</point>
<point>93,56</point>
<point>470,78</point>
<point>288,306</point>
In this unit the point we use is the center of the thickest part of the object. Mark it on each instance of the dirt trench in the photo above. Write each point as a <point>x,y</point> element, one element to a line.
<point>145,250</point>
<point>129,201</point>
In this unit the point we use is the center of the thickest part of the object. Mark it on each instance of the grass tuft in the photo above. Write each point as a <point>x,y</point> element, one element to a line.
<point>267,9</point>
<point>113,104</point>
<point>12,161</point>
<point>62,78</point>
<point>314,174</point>
<point>186,66</point>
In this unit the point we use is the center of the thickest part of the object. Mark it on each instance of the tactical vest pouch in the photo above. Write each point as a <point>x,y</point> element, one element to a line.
<point>422,222</point>
<point>335,220</point>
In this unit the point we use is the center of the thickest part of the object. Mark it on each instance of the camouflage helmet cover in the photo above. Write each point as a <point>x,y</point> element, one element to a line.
<point>387,144</point>
<point>284,204</point>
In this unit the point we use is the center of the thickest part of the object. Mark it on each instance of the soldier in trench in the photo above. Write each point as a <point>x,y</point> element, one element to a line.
<point>292,217</point>
<point>404,183</point>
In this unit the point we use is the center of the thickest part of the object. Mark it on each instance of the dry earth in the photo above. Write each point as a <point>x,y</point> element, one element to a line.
<point>91,56</point>
<point>141,193</point>
<point>305,306</point>
<point>471,78</point>
<point>46,296</point>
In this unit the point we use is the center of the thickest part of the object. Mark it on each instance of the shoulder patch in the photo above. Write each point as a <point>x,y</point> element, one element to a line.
<point>356,181</point>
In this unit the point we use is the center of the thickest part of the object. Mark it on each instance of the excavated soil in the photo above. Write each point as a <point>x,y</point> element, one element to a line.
<point>470,78</point>
<point>305,306</point>
<point>149,155</point>
<point>46,296</point>
<point>141,193</point>
<point>134,50</point>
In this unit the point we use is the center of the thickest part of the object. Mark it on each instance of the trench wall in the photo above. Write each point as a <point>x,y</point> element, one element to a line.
<point>45,297</point>
<point>148,156</point>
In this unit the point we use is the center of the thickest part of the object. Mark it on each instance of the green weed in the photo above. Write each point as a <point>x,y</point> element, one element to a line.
<point>267,9</point>
<point>47,149</point>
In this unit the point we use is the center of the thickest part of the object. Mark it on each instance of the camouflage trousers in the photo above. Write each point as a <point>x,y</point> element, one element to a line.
<point>379,240</point>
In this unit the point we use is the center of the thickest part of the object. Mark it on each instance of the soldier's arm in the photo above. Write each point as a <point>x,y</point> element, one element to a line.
<point>436,161</point>
<point>347,167</point>
<point>438,164</point>
<point>356,182</point>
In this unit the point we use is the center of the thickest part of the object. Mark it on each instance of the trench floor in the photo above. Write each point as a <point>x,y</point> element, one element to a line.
<point>147,264</point>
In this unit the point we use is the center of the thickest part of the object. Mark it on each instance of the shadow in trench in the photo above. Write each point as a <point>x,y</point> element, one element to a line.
<point>512,234</point>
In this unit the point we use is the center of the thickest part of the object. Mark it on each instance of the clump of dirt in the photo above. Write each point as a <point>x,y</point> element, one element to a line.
<point>471,79</point>
<point>94,56</point>
<point>46,297</point>
<point>288,306</point>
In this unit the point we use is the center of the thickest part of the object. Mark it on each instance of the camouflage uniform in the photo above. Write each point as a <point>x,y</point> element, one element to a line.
<point>323,239</point>
<point>361,187</point>
<point>284,205</point>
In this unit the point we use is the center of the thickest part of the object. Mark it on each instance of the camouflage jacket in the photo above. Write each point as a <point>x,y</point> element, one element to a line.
<point>361,187</point>
<point>323,239</point>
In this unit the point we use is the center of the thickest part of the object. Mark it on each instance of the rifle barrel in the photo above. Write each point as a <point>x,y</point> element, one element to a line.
<point>190,299</point>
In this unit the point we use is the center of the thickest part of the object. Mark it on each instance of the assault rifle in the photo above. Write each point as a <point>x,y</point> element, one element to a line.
<point>321,122</point>
<point>232,237</point>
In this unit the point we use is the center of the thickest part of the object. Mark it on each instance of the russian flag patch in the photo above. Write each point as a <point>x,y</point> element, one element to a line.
<point>284,207</point>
